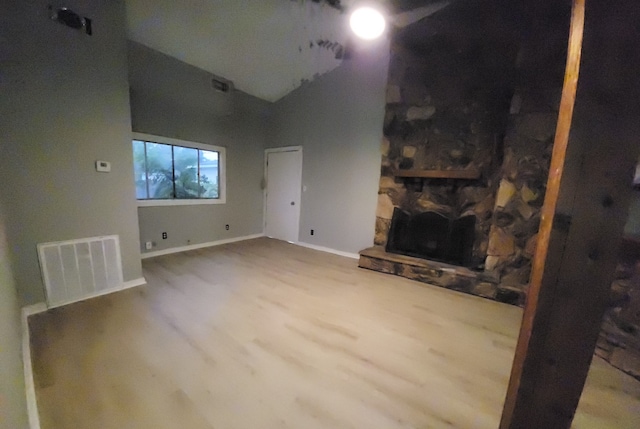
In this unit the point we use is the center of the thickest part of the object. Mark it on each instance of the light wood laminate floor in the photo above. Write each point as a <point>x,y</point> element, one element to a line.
<point>264,334</point>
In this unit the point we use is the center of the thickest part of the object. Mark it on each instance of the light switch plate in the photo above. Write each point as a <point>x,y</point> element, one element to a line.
<point>103,166</point>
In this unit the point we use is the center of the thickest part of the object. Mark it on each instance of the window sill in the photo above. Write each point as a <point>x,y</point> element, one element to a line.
<point>158,203</point>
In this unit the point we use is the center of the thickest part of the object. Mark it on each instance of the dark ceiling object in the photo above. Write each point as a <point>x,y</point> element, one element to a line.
<point>343,53</point>
<point>405,5</point>
<point>71,19</point>
<point>333,3</point>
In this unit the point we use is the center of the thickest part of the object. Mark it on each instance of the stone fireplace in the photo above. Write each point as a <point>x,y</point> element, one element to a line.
<point>468,132</point>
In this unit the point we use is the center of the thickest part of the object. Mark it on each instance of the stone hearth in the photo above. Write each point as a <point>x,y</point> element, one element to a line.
<point>440,274</point>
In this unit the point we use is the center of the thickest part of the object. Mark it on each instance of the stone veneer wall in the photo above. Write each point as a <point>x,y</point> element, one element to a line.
<point>475,95</point>
<point>528,146</point>
<point>449,88</point>
<point>516,215</point>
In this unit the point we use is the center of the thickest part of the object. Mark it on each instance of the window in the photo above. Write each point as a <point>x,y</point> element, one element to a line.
<point>172,172</point>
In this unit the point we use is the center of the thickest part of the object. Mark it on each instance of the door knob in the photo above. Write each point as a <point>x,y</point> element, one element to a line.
<point>293,203</point>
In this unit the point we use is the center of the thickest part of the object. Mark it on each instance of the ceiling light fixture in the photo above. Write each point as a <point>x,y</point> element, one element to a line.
<point>367,23</point>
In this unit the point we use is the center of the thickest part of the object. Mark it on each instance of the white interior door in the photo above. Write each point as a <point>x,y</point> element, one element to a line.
<point>284,180</point>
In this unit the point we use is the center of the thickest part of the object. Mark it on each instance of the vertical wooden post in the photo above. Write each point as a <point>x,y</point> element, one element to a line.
<point>581,225</point>
<point>560,144</point>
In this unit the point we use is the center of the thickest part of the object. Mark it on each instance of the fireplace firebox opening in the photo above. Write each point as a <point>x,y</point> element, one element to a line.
<point>430,235</point>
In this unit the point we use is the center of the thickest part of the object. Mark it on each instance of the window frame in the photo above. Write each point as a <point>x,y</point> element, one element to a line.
<point>222,171</point>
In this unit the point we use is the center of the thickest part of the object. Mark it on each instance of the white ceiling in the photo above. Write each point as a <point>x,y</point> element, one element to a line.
<point>266,47</point>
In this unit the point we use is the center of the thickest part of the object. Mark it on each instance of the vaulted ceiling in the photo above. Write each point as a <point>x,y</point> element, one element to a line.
<point>267,48</point>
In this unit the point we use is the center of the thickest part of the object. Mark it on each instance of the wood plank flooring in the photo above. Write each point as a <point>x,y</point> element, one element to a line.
<point>264,334</point>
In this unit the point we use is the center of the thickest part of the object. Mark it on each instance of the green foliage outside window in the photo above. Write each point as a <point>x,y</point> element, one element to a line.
<point>165,171</point>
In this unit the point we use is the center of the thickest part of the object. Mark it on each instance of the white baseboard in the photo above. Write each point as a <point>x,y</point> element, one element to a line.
<point>328,250</point>
<point>133,283</point>
<point>40,307</point>
<point>29,385</point>
<point>199,246</point>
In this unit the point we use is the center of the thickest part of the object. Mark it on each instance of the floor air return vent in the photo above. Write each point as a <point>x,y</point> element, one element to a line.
<point>78,269</point>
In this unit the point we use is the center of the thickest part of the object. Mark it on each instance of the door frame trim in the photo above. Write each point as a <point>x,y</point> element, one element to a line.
<point>264,184</point>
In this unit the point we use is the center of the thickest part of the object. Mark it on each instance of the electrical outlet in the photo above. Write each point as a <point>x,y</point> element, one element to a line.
<point>226,227</point>
<point>164,235</point>
<point>103,166</point>
<point>148,245</point>
<point>312,232</point>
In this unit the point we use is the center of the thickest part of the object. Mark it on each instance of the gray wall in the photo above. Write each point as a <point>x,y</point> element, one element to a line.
<point>63,105</point>
<point>13,411</point>
<point>338,120</point>
<point>173,99</point>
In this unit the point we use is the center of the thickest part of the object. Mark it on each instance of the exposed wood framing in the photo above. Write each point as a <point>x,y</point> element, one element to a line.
<point>582,221</point>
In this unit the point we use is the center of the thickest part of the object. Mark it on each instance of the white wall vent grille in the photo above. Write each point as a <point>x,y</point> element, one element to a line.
<point>78,269</point>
